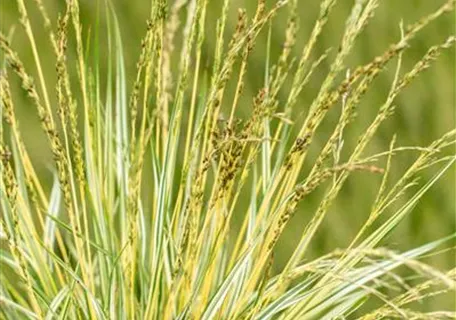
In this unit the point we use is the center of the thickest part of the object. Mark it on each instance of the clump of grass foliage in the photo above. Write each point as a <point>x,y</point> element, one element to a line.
<point>144,219</point>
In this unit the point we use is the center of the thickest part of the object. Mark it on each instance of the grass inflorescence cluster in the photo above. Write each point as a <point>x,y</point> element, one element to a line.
<point>167,204</point>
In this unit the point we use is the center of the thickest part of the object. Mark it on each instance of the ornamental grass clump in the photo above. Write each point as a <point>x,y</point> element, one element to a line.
<point>168,202</point>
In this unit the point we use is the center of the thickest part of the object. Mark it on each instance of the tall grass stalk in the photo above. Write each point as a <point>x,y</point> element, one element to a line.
<point>167,204</point>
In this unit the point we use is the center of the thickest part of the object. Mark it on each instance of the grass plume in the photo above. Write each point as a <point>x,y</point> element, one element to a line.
<point>168,202</point>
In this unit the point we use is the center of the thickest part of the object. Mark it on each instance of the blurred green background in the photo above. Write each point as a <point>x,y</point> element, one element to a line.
<point>425,110</point>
